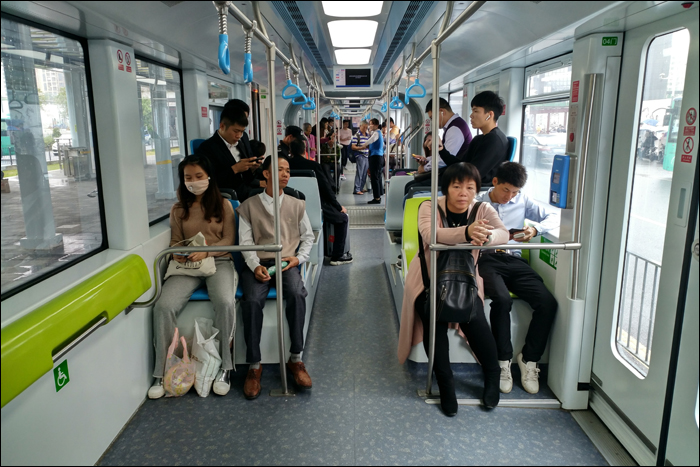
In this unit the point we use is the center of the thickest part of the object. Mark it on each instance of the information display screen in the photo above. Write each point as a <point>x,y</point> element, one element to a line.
<point>353,77</point>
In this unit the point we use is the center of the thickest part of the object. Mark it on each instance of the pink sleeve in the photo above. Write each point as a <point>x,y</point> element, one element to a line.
<point>499,235</point>
<point>446,236</point>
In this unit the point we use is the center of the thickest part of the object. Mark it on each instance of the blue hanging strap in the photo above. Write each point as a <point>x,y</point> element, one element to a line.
<point>224,56</point>
<point>384,107</point>
<point>420,92</point>
<point>297,91</point>
<point>300,100</point>
<point>310,104</point>
<point>247,68</point>
<point>396,104</point>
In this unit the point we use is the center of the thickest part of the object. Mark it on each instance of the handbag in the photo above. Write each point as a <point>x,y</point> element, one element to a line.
<point>456,280</point>
<point>204,268</point>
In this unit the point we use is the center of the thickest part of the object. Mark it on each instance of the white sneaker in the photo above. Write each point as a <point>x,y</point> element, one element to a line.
<point>506,383</point>
<point>222,383</point>
<point>529,375</point>
<point>156,391</point>
<point>342,177</point>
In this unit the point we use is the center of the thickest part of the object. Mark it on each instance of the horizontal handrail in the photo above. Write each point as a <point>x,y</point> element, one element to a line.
<point>195,249</point>
<point>32,343</point>
<point>509,246</point>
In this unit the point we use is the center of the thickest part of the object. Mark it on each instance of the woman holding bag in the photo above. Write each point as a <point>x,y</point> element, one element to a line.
<point>200,209</point>
<point>460,182</point>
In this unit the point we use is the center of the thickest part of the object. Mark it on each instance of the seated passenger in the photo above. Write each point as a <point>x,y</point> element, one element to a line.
<point>426,160</point>
<point>505,271</point>
<point>333,212</point>
<point>257,225</point>
<point>310,141</point>
<point>233,164</point>
<point>461,183</point>
<point>201,209</point>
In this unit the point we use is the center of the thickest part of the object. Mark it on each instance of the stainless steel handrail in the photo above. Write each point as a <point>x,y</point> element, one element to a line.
<point>508,246</point>
<point>193,249</point>
<point>74,343</point>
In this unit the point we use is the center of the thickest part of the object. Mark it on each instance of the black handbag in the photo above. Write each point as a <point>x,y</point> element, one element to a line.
<point>457,289</point>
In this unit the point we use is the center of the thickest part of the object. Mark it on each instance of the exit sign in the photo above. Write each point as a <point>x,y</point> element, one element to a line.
<point>609,41</point>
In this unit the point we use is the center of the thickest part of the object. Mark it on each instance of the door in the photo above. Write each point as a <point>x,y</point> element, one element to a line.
<point>647,220</point>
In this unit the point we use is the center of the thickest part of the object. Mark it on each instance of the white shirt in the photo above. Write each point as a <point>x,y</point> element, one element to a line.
<point>231,147</point>
<point>453,140</point>
<point>373,138</point>
<point>245,234</point>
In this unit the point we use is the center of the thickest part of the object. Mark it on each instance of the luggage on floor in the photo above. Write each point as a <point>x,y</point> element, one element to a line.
<point>329,235</point>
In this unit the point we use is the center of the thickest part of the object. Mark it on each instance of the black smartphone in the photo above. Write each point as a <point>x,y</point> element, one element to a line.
<point>514,231</point>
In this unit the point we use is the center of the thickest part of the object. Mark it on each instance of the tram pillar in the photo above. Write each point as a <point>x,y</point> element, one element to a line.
<point>161,138</point>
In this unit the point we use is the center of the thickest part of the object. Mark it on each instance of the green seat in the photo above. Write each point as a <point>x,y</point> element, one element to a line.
<point>409,237</point>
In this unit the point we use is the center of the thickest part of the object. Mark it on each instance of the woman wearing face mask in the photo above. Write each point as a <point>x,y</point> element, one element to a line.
<point>201,209</point>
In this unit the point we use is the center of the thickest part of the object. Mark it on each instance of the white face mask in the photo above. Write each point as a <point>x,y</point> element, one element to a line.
<point>198,187</point>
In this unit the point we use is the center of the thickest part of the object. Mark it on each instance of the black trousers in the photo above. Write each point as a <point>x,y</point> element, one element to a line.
<point>344,154</point>
<point>477,332</point>
<point>503,273</point>
<point>375,173</point>
<point>340,231</point>
<point>254,296</point>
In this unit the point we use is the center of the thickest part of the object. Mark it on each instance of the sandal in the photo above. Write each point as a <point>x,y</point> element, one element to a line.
<point>359,193</point>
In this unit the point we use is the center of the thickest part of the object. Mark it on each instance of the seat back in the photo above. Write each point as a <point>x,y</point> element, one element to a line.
<point>512,145</point>
<point>394,200</point>
<point>302,173</point>
<point>409,237</point>
<point>309,187</point>
<point>194,144</point>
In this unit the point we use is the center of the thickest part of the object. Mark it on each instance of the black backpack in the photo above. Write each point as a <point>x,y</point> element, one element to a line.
<point>457,289</point>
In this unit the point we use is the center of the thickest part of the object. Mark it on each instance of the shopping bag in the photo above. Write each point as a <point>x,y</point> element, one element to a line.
<point>205,354</point>
<point>204,268</point>
<point>179,372</point>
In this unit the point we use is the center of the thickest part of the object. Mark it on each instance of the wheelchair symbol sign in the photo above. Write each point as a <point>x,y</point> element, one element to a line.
<point>60,375</point>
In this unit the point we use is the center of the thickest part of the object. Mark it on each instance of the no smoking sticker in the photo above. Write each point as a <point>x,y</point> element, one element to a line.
<point>691,116</point>
<point>688,145</point>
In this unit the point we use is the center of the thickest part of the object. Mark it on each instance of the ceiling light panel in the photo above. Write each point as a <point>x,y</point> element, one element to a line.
<point>356,33</point>
<point>352,56</point>
<point>352,9</point>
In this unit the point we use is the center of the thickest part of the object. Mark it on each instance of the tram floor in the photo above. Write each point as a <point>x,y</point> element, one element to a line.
<point>363,408</point>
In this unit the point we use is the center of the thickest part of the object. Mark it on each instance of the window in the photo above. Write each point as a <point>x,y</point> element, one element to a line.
<point>52,213</point>
<point>455,100</point>
<point>219,95</point>
<point>162,134</point>
<point>661,100</point>
<point>552,77</point>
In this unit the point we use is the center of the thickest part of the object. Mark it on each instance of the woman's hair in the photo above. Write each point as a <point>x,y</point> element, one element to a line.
<point>297,148</point>
<point>461,172</point>
<point>428,150</point>
<point>212,202</point>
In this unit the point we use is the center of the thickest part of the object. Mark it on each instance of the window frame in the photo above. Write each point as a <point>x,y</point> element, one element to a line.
<point>40,277</point>
<point>562,61</point>
<point>153,61</point>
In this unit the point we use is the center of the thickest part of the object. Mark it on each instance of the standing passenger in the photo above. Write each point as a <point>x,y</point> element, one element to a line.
<point>505,271</point>
<point>201,209</point>
<point>257,227</point>
<point>461,183</point>
<point>375,144</point>
<point>345,138</point>
<point>361,153</point>
<point>311,141</point>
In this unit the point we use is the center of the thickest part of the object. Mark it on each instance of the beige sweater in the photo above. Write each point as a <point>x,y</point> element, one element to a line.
<point>216,233</point>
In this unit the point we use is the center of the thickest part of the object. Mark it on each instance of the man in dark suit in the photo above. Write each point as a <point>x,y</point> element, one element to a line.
<point>232,160</point>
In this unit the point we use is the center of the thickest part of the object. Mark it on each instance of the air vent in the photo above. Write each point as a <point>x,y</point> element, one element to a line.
<point>291,15</point>
<point>412,19</point>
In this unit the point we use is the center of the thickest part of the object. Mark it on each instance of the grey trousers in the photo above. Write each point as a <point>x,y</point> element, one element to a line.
<point>176,293</point>
<point>361,174</point>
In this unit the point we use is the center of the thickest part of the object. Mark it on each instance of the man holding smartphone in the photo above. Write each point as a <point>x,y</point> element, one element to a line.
<point>233,162</point>
<point>505,271</point>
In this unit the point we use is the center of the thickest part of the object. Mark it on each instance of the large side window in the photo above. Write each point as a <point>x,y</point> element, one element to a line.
<point>544,124</point>
<point>51,207</point>
<point>162,134</point>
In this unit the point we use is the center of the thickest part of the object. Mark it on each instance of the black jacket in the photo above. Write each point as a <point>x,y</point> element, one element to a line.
<point>329,204</point>
<point>487,152</point>
<point>221,159</point>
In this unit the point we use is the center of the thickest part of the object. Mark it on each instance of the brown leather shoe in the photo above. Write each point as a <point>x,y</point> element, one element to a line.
<point>252,388</point>
<point>301,377</point>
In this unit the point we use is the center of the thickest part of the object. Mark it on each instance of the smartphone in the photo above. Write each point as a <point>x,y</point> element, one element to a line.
<point>417,157</point>
<point>272,269</point>
<point>515,231</point>
<point>519,235</point>
<point>184,255</point>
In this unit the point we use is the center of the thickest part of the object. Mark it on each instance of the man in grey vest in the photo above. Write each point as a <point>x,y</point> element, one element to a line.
<point>257,227</point>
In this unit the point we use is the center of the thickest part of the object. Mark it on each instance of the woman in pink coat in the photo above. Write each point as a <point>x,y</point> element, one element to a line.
<point>461,183</point>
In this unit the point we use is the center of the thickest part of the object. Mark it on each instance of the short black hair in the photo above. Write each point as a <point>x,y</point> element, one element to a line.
<point>297,148</point>
<point>513,173</point>
<point>374,121</point>
<point>238,104</point>
<point>391,119</point>
<point>460,172</point>
<point>443,105</point>
<point>268,161</point>
<point>490,102</point>
<point>231,115</point>
<point>294,131</point>
<point>258,147</point>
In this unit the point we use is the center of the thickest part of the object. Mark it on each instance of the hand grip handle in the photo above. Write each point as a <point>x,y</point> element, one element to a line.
<point>224,56</point>
<point>384,107</point>
<point>300,100</point>
<point>421,92</point>
<point>297,90</point>
<point>396,104</point>
<point>310,104</point>
<point>248,69</point>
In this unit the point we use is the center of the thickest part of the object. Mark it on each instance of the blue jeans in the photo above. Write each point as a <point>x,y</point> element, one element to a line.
<point>361,174</point>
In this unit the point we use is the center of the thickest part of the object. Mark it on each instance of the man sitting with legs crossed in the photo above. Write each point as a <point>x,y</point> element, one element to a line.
<point>506,271</point>
<point>257,227</point>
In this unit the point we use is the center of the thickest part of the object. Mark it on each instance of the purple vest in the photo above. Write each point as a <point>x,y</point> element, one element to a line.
<point>464,128</point>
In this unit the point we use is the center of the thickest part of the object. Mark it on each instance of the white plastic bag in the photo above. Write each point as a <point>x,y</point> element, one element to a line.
<point>205,355</point>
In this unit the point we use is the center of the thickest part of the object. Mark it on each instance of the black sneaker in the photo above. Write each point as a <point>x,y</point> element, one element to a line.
<point>345,259</point>
<point>375,201</point>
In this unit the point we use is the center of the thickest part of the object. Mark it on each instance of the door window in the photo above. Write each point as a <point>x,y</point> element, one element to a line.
<point>661,100</point>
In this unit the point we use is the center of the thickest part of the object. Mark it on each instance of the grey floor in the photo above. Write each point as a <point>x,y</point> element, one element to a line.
<point>363,408</point>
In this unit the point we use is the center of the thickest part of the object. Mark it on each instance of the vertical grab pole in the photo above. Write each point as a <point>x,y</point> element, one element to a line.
<point>318,128</point>
<point>435,51</point>
<point>278,232</point>
<point>336,169</point>
<point>386,151</point>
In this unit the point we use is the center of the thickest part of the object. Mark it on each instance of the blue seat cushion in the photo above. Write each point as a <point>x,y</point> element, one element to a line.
<point>201,294</point>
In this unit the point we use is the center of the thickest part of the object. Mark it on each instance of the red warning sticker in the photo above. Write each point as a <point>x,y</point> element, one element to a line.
<point>691,115</point>
<point>687,158</point>
<point>574,91</point>
<point>688,131</point>
<point>204,111</point>
<point>688,144</point>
